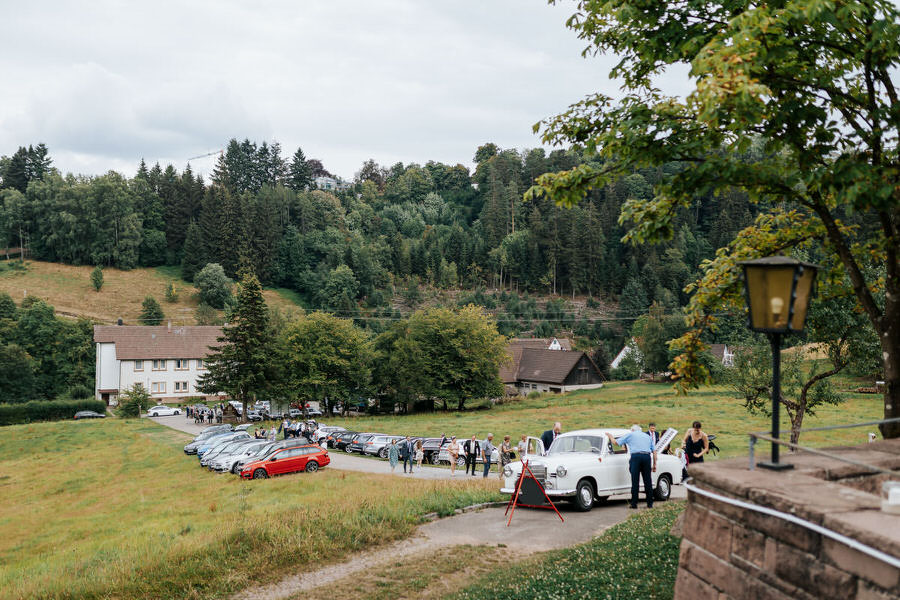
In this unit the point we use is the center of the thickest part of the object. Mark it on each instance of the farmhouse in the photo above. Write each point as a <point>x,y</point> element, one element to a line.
<point>166,360</point>
<point>548,365</point>
<point>720,353</point>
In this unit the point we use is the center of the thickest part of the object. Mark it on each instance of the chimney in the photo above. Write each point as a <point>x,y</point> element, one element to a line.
<point>119,322</point>
<point>170,326</point>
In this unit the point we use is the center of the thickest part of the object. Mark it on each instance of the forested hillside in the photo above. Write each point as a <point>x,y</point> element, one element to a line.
<point>395,235</point>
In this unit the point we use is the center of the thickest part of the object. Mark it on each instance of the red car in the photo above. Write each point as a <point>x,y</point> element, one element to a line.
<point>302,457</point>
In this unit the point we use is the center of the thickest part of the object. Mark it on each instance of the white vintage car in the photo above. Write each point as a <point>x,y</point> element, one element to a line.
<point>582,466</point>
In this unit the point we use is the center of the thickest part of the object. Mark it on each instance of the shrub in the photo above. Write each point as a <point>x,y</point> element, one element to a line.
<point>47,410</point>
<point>214,285</point>
<point>97,278</point>
<point>171,292</point>
<point>151,313</point>
<point>207,315</point>
<point>132,400</point>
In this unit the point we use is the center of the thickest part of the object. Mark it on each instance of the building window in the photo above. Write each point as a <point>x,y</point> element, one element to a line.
<point>181,386</point>
<point>200,365</point>
<point>159,365</point>
<point>138,365</point>
<point>158,387</point>
<point>182,364</point>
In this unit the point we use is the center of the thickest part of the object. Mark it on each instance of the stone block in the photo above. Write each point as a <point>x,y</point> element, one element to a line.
<point>866,591</point>
<point>859,564</point>
<point>748,545</point>
<point>725,577</point>
<point>708,530</point>
<point>690,587</point>
<point>808,573</point>
<point>870,527</point>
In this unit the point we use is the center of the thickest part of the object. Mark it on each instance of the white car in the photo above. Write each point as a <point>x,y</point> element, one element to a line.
<point>443,456</point>
<point>582,466</point>
<point>163,411</point>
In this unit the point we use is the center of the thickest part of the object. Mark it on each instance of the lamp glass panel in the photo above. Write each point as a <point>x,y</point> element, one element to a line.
<point>769,291</point>
<point>802,296</point>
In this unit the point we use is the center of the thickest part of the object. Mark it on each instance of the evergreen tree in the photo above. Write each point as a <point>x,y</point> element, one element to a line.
<point>194,253</point>
<point>300,173</point>
<point>243,364</point>
<point>214,285</point>
<point>97,278</point>
<point>151,312</point>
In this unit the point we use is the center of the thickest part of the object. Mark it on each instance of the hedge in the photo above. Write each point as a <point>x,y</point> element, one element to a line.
<point>49,410</point>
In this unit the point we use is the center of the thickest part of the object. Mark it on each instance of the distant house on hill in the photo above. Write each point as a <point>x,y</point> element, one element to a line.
<point>720,353</point>
<point>330,183</point>
<point>548,365</point>
<point>166,360</point>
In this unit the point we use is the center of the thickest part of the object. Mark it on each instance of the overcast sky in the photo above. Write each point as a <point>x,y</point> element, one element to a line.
<point>104,83</point>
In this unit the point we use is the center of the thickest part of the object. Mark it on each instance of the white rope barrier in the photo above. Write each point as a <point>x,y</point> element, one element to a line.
<point>856,545</point>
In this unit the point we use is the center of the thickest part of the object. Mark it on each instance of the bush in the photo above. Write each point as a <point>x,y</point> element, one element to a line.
<point>132,400</point>
<point>151,313</point>
<point>207,315</point>
<point>171,293</point>
<point>97,278</point>
<point>47,410</point>
<point>214,285</point>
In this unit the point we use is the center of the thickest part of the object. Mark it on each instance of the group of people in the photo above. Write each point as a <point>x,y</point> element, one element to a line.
<point>298,429</point>
<point>204,414</point>
<point>408,451</point>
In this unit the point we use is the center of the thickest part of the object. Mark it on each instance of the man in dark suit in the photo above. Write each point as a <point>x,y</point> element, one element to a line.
<point>548,437</point>
<point>472,449</point>
<point>407,453</point>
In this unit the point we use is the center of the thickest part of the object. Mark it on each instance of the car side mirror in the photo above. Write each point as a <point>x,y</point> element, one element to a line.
<point>273,459</point>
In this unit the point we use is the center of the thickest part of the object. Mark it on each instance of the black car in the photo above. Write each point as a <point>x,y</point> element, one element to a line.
<point>343,438</point>
<point>89,414</point>
<point>430,448</point>
<point>254,415</point>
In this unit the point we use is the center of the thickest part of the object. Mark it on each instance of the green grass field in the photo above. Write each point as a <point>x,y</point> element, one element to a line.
<point>620,405</point>
<point>100,509</point>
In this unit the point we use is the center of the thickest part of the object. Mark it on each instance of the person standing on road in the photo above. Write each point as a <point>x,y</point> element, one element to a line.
<point>407,453</point>
<point>523,445</point>
<point>272,434</point>
<point>393,454</point>
<point>549,436</point>
<point>487,452</point>
<point>505,451</point>
<point>641,464</point>
<point>453,452</point>
<point>472,448</point>
<point>695,444</point>
<point>420,453</point>
<point>443,441</point>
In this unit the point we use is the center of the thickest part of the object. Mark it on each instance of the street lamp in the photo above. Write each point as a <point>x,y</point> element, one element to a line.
<point>778,290</point>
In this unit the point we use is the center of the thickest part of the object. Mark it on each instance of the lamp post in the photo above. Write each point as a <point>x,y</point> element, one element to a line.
<point>778,290</point>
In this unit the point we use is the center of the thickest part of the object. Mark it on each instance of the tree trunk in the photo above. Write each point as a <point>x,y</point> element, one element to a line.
<point>890,347</point>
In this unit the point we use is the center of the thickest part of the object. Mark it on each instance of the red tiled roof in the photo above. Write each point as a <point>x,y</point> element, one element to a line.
<point>547,366</point>
<point>134,342</point>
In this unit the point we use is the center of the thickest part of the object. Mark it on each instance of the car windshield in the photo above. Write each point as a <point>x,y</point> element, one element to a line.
<point>577,443</point>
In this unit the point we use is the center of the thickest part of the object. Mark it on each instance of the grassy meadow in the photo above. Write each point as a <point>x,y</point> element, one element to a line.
<point>100,509</point>
<point>619,404</point>
<point>68,288</point>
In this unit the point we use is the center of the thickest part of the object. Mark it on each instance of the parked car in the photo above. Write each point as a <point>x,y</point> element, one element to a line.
<point>253,450</point>
<point>314,412</point>
<point>163,411</point>
<point>306,457</point>
<point>273,414</point>
<point>295,413</point>
<point>88,414</point>
<point>359,443</point>
<point>343,439</point>
<point>223,449</point>
<point>254,415</point>
<point>583,467</point>
<point>243,427</point>
<point>431,448</point>
<point>443,456</point>
<point>206,446</point>
<point>205,435</point>
<point>326,435</point>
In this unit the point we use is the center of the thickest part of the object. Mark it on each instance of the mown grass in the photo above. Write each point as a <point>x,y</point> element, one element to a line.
<point>634,559</point>
<point>68,288</point>
<point>115,509</point>
<point>620,405</point>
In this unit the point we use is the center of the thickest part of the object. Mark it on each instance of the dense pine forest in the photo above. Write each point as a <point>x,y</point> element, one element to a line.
<point>383,242</point>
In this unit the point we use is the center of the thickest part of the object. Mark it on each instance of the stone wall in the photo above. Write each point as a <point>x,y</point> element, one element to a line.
<point>732,552</point>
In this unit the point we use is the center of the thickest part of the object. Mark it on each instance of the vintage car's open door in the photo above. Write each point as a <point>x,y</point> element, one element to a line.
<point>533,447</point>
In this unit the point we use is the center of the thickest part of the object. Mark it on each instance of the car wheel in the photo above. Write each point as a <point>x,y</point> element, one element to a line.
<point>663,487</point>
<point>260,474</point>
<point>312,466</point>
<point>433,459</point>
<point>584,495</point>
<point>234,468</point>
<point>348,450</point>
<point>460,462</point>
<point>382,453</point>
<point>154,414</point>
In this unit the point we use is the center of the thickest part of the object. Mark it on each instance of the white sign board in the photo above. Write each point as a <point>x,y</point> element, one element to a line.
<point>666,439</point>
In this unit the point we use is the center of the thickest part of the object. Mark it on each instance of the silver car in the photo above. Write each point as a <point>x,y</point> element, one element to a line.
<point>223,450</point>
<point>227,460</point>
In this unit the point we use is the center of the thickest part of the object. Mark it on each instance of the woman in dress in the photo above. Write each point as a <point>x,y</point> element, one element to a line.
<point>420,453</point>
<point>393,454</point>
<point>505,452</point>
<point>453,451</point>
<point>695,444</point>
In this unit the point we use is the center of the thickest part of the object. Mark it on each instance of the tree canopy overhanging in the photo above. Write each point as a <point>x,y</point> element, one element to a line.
<point>794,102</point>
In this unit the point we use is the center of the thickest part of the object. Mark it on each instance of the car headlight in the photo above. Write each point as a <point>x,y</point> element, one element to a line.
<point>548,484</point>
<point>561,471</point>
<point>507,471</point>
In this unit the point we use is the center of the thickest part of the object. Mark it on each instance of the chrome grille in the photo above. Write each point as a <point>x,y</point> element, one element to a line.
<point>540,472</point>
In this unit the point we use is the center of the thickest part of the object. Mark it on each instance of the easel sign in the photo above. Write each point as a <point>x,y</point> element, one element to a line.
<point>532,493</point>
